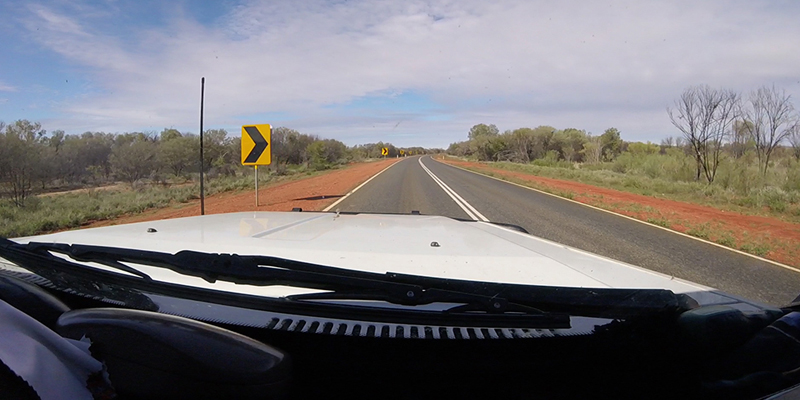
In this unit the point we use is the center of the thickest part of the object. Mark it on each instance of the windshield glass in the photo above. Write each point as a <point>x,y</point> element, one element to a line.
<point>679,117</point>
<point>559,167</point>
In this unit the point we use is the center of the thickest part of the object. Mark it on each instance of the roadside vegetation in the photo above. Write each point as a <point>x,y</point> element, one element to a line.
<point>73,209</point>
<point>744,158</point>
<point>732,152</point>
<point>57,181</point>
<point>739,189</point>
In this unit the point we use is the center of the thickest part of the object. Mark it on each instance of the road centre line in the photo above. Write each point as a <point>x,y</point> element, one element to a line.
<point>440,183</point>
<point>468,208</point>
<point>335,203</point>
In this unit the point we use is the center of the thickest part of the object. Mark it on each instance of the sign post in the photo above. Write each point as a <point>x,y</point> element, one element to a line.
<point>202,167</point>
<point>255,147</point>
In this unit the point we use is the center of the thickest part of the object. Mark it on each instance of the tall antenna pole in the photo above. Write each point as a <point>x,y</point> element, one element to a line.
<point>202,164</point>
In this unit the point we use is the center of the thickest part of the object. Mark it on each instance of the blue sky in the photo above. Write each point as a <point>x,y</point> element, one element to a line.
<point>410,72</point>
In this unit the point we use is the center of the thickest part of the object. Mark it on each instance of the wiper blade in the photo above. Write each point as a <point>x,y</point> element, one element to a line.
<point>268,271</point>
<point>66,249</point>
<point>61,274</point>
<point>470,297</point>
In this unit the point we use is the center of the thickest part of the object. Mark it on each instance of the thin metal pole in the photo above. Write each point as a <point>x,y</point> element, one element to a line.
<point>256,185</point>
<point>202,163</point>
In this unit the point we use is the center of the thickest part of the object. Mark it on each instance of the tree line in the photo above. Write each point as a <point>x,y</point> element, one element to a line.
<point>713,123</point>
<point>31,160</point>
<point>486,143</point>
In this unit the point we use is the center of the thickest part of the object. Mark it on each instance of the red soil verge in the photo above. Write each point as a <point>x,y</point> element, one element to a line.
<point>310,194</point>
<point>771,238</point>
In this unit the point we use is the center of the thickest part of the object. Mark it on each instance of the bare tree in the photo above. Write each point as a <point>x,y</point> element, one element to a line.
<point>724,107</point>
<point>794,139</point>
<point>688,118</point>
<point>704,115</point>
<point>770,119</point>
<point>740,139</point>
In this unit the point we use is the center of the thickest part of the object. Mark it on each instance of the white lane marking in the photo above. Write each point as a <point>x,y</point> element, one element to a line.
<point>452,197</point>
<point>474,211</point>
<point>633,219</point>
<point>468,208</point>
<point>448,191</point>
<point>328,208</point>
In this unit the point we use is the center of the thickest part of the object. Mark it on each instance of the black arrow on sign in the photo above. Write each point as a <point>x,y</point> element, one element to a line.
<point>260,142</point>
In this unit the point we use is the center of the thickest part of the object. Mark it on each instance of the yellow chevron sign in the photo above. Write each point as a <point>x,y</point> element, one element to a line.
<point>255,144</point>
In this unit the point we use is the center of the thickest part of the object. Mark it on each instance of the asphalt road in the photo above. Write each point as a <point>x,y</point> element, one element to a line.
<point>407,186</point>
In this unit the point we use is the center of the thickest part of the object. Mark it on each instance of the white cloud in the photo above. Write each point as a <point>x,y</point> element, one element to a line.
<point>7,88</point>
<point>587,64</point>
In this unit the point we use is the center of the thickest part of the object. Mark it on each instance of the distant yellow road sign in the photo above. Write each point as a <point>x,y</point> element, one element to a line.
<point>402,152</point>
<point>385,151</point>
<point>255,144</point>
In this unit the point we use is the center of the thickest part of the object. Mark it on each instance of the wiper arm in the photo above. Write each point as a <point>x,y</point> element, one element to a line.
<point>268,271</point>
<point>66,249</point>
<point>59,273</point>
<point>410,290</point>
<point>473,302</point>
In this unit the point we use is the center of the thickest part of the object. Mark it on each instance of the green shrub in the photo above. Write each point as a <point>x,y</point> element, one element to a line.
<point>677,166</point>
<point>701,231</point>
<point>740,175</point>
<point>659,221</point>
<point>653,167</point>
<point>776,205</point>
<point>760,249</point>
<point>792,182</point>
<point>623,163</point>
<point>566,195</point>
<point>632,182</point>
<point>550,159</point>
<point>727,241</point>
<point>711,190</point>
<point>772,197</point>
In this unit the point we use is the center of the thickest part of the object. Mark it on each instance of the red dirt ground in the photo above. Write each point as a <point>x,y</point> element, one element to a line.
<point>311,194</point>
<point>781,238</point>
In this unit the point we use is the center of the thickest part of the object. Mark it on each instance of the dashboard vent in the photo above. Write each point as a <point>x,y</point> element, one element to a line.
<point>264,319</point>
<point>381,330</point>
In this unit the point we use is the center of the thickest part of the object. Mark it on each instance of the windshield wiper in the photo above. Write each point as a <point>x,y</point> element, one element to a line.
<point>470,297</point>
<point>269,271</point>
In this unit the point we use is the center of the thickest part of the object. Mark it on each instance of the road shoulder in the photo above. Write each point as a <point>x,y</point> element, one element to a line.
<point>766,237</point>
<point>311,194</point>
